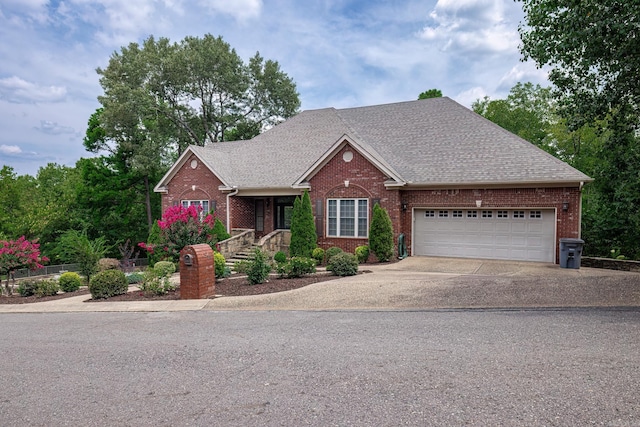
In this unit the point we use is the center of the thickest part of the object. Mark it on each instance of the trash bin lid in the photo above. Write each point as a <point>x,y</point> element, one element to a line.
<point>570,240</point>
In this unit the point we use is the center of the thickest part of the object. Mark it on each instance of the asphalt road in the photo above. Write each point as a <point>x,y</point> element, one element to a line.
<point>348,368</point>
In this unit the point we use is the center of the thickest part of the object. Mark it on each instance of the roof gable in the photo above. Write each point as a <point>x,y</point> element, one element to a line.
<point>426,143</point>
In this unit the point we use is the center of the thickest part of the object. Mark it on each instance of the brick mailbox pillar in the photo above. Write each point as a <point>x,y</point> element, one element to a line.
<point>197,272</point>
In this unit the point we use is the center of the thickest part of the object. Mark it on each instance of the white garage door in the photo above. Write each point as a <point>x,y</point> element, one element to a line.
<point>527,235</point>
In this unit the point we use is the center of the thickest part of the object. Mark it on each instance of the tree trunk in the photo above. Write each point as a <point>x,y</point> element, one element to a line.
<point>147,195</point>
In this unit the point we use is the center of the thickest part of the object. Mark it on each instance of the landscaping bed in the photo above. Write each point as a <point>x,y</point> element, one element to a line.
<point>225,287</point>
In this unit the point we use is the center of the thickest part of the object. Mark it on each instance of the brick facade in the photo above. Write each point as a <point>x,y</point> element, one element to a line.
<point>365,180</point>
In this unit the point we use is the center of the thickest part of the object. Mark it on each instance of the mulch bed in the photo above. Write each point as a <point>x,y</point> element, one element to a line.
<point>226,287</point>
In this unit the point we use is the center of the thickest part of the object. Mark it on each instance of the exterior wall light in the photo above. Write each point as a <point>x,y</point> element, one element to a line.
<point>565,206</point>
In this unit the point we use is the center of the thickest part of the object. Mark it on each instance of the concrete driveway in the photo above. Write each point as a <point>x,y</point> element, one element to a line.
<point>414,283</point>
<point>448,283</point>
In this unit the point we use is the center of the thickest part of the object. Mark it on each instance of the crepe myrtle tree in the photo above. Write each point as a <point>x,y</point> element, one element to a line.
<point>17,254</point>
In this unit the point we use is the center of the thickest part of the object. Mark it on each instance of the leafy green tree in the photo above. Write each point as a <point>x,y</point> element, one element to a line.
<point>16,192</point>
<point>381,234</point>
<point>592,49</point>
<point>303,229</point>
<point>528,112</point>
<point>431,93</point>
<point>191,92</point>
<point>76,247</point>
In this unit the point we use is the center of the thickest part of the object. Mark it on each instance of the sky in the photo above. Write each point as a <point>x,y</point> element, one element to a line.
<point>340,53</point>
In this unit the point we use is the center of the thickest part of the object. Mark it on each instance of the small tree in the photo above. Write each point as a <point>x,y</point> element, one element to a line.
<point>178,228</point>
<point>381,234</point>
<point>76,247</point>
<point>303,228</point>
<point>17,254</point>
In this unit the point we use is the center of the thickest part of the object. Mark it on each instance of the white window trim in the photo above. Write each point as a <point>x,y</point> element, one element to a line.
<point>356,230</point>
<point>186,203</point>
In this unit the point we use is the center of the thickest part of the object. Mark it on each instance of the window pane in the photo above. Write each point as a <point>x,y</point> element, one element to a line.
<point>333,218</point>
<point>347,217</point>
<point>362,218</point>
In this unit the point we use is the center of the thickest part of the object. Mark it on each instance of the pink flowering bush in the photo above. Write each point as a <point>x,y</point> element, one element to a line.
<point>17,254</point>
<point>178,228</point>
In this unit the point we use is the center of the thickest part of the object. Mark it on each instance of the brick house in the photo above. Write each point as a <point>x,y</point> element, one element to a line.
<point>454,183</point>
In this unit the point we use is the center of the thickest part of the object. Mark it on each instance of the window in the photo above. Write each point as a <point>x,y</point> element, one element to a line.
<point>203,204</point>
<point>535,214</point>
<point>443,214</point>
<point>503,214</point>
<point>487,214</point>
<point>347,217</point>
<point>518,214</point>
<point>429,214</point>
<point>457,214</point>
<point>472,214</point>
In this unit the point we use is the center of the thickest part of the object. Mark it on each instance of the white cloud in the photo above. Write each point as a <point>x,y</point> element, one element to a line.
<point>53,128</point>
<point>16,90</point>
<point>10,149</point>
<point>471,27</point>
<point>241,10</point>
<point>523,72</point>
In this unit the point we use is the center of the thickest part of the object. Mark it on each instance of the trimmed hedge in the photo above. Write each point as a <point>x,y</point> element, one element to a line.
<point>108,283</point>
<point>70,281</point>
<point>343,264</point>
<point>164,268</point>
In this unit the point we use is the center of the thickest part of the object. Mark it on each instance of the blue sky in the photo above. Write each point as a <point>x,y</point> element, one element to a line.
<point>340,53</point>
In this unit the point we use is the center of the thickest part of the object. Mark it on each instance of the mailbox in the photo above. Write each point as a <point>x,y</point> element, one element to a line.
<point>197,272</point>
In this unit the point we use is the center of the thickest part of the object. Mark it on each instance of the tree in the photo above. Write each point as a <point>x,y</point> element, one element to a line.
<point>192,92</point>
<point>178,228</point>
<point>528,112</point>
<point>592,48</point>
<point>76,247</point>
<point>303,228</point>
<point>17,254</point>
<point>381,234</point>
<point>431,93</point>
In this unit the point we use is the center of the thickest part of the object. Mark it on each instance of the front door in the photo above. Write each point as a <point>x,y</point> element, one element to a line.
<point>259,208</point>
<point>283,211</point>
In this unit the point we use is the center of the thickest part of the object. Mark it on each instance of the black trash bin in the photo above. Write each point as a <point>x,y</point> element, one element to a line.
<point>570,252</point>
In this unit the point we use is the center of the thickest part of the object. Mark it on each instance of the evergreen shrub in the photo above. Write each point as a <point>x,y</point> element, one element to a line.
<point>343,264</point>
<point>296,267</point>
<point>258,269</point>
<point>362,253</point>
<point>318,255</point>
<point>220,265</point>
<point>70,281</point>
<point>381,234</point>
<point>108,283</point>
<point>164,268</point>
<point>280,257</point>
<point>331,252</point>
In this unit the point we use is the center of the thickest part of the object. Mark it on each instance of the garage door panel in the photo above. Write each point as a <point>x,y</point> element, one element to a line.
<point>530,238</point>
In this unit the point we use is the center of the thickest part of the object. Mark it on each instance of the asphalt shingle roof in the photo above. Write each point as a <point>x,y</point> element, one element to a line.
<point>432,142</point>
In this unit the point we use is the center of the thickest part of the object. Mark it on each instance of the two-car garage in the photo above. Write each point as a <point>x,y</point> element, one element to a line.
<point>512,234</point>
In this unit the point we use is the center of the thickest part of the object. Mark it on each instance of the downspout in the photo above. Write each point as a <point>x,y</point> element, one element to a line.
<point>229,195</point>
<point>580,211</point>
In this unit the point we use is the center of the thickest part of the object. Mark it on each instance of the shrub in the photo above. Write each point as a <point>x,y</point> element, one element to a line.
<point>164,268</point>
<point>331,252</point>
<point>303,228</point>
<point>381,234</point>
<point>220,265</point>
<point>280,257</point>
<point>47,287</point>
<point>134,278</point>
<point>108,264</point>
<point>155,284</point>
<point>296,267</point>
<point>362,253</point>
<point>241,267</point>
<point>318,255</point>
<point>343,264</point>
<point>220,231</point>
<point>26,288</point>
<point>70,281</point>
<point>108,283</point>
<point>259,268</point>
